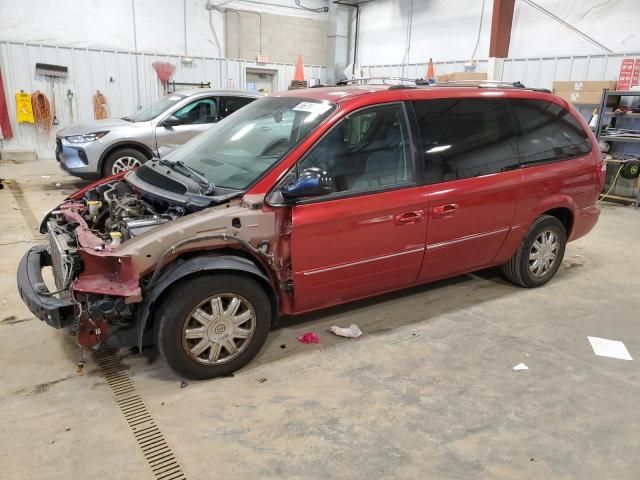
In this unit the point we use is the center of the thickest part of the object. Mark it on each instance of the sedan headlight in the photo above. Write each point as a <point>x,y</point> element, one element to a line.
<point>89,137</point>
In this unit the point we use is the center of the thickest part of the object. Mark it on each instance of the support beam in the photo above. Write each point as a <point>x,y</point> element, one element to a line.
<point>501,21</point>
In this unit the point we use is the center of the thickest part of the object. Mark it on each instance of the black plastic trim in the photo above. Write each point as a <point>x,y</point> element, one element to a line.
<point>56,312</point>
<point>204,263</point>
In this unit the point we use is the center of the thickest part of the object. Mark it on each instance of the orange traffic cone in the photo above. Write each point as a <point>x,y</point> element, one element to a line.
<point>299,74</point>
<point>431,73</point>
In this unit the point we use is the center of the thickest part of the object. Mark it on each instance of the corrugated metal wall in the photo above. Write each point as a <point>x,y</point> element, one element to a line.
<point>533,72</point>
<point>418,70</point>
<point>126,79</point>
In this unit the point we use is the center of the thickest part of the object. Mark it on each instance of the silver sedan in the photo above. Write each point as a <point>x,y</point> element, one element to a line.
<point>105,147</point>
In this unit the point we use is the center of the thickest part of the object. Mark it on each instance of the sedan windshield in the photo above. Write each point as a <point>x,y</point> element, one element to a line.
<point>149,112</point>
<point>239,149</point>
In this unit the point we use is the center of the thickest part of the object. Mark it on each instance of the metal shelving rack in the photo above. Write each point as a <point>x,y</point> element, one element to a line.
<point>606,93</point>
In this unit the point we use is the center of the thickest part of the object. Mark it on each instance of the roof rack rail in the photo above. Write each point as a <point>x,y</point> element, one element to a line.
<point>382,81</point>
<point>397,83</point>
<point>479,83</point>
<point>489,84</point>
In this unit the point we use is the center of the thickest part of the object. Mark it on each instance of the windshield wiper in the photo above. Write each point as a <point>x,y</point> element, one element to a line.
<point>190,172</point>
<point>127,119</point>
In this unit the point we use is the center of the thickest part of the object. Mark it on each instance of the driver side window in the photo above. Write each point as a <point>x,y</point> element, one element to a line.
<point>368,150</point>
<point>203,110</point>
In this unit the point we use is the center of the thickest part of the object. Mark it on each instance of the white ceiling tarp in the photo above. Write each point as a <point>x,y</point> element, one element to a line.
<point>448,29</point>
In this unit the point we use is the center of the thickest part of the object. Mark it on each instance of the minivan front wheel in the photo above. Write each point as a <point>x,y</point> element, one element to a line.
<point>121,160</point>
<point>540,254</point>
<point>213,325</point>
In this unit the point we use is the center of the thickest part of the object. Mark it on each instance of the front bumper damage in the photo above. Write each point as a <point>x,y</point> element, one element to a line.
<point>56,312</point>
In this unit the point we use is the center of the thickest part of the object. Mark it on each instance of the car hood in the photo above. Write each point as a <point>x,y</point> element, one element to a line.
<point>97,126</point>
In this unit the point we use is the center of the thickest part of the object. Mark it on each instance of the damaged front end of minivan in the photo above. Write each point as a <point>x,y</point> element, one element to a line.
<point>117,245</point>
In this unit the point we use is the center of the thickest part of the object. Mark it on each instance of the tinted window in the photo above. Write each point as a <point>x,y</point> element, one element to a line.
<point>203,110</point>
<point>370,149</point>
<point>464,137</point>
<point>228,105</point>
<point>547,132</point>
<point>151,111</point>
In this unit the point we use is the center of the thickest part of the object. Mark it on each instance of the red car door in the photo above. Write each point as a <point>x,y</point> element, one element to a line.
<point>368,236</point>
<point>473,181</point>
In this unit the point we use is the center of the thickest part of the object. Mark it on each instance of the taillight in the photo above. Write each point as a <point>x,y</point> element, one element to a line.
<point>601,170</point>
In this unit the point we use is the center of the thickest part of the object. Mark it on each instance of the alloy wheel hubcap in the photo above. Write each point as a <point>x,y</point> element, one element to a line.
<point>219,329</point>
<point>125,163</point>
<point>543,253</point>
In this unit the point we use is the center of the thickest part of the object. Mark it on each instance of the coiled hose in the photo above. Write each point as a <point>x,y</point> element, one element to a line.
<point>41,112</point>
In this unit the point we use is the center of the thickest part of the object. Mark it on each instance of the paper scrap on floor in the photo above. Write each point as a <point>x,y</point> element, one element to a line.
<point>609,348</point>
<point>520,366</point>
<point>351,332</point>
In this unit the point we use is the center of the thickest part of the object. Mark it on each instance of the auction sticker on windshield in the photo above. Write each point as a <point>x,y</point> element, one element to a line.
<point>317,108</point>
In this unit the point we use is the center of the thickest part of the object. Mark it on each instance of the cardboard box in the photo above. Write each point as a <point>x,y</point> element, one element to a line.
<point>461,76</point>
<point>583,86</point>
<point>586,98</point>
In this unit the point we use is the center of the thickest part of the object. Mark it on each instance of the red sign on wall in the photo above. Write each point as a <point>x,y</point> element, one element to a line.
<point>626,74</point>
<point>635,76</point>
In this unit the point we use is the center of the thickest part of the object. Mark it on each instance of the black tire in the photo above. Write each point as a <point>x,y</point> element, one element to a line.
<point>630,169</point>
<point>120,153</point>
<point>181,300</point>
<point>518,271</point>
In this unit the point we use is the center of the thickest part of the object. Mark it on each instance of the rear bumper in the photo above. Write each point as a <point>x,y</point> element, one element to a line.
<point>584,222</point>
<point>56,312</point>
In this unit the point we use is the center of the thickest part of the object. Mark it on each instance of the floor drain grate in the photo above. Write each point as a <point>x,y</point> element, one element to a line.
<point>155,448</point>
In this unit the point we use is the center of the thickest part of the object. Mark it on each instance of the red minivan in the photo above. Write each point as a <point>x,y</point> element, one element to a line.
<point>312,198</point>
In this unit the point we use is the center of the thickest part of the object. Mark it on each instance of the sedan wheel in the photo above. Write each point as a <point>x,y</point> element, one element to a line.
<point>219,329</point>
<point>124,163</point>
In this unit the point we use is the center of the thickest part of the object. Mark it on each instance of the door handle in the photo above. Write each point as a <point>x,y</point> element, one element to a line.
<point>409,218</point>
<point>445,211</point>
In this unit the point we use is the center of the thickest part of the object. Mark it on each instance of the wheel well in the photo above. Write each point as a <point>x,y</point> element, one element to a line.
<point>143,149</point>
<point>263,281</point>
<point>564,215</point>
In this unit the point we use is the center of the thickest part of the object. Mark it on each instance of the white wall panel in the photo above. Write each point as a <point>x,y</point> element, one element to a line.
<point>109,24</point>
<point>441,29</point>
<point>114,74</point>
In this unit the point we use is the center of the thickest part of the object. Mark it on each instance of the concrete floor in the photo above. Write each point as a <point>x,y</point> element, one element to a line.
<point>427,392</point>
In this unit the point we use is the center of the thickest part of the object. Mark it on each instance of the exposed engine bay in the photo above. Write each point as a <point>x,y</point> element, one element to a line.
<point>104,253</point>
<point>116,212</point>
<point>106,217</point>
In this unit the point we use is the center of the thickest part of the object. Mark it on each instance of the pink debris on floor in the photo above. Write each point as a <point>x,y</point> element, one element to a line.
<point>309,337</point>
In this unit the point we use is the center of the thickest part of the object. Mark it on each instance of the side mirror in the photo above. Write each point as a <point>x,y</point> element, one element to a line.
<point>313,182</point>
<point>171,121</point>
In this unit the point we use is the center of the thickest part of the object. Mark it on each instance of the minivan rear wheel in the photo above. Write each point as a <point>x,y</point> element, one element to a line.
<point>540,254</point>
<point>121,160</point>
<point>213,325</point>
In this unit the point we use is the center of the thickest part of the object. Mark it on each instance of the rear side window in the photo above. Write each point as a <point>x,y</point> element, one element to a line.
<point>203,110</point>
<point>547,132</point>
<point>229,105</point>
<point>465,137</point>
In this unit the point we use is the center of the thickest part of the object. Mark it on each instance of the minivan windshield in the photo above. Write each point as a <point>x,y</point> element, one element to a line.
<point>239,149</point>
<point>151,111</point>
